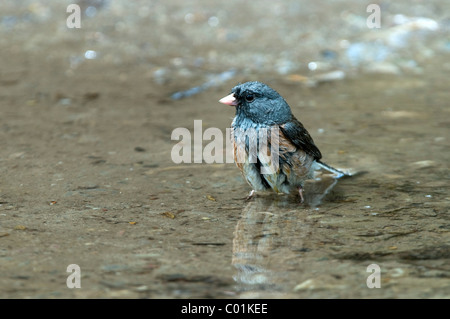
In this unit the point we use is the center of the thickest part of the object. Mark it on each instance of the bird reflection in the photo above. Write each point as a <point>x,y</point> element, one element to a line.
<point>272,229</point>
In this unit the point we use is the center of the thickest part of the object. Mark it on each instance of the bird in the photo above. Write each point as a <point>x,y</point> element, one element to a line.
<point>272,149</point>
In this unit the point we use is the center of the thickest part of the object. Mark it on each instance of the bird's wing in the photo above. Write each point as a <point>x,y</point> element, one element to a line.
<point>299,136</point>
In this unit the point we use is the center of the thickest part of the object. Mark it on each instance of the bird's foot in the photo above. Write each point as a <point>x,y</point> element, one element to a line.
<point>250,196</point>
<point>300,192</point>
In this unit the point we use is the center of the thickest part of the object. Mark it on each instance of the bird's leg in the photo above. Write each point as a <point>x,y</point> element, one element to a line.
<point>300,192</point>
<point>250,196</point>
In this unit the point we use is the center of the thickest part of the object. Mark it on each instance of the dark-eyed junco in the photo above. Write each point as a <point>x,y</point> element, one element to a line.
<point>272,148</point>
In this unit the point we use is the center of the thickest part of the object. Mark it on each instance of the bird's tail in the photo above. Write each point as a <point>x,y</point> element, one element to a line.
<point>333,170</point>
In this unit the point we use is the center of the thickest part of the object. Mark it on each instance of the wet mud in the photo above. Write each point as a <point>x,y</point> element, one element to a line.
<point>87,178</point>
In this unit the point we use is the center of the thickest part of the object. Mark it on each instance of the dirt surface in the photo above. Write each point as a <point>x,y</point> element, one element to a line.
<point>87,178</point>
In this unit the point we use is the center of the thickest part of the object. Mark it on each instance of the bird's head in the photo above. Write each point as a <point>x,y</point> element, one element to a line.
<point>259,103</point>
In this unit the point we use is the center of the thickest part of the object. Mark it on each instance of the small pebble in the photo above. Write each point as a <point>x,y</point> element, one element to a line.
<point>90,54</point>
<point>424,164</point>
<point>307,284</point>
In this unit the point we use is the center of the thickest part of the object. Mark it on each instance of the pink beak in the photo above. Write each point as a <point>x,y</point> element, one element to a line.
<point>229,100</point>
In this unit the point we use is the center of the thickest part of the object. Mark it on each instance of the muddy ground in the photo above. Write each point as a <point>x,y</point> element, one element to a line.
<point>87,178</point>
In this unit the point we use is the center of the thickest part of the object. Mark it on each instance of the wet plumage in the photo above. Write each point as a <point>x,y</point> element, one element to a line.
<point>271,147</point>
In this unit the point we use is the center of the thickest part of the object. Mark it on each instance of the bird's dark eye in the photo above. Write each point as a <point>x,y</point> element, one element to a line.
<point>249,97</point>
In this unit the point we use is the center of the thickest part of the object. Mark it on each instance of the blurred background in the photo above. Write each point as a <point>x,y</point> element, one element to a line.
<point>177,40</point>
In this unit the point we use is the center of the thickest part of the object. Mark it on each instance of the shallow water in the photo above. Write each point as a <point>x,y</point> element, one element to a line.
<point>87,176</point>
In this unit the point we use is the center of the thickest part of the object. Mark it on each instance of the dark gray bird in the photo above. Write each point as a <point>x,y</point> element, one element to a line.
<point>272,148</point>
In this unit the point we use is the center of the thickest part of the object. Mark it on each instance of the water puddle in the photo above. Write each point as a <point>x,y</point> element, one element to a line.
<point>87,177</point>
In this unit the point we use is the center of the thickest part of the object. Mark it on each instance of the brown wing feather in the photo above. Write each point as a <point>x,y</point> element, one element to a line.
<point>294,160</point>
<point>295,132</point>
